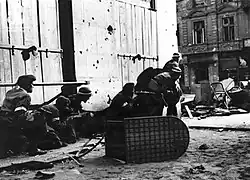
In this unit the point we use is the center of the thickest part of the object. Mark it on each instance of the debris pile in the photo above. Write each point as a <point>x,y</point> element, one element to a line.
<point>221,101</point>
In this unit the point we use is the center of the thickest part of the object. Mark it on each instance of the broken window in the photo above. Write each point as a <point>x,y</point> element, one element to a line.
<point>228,28</point>
<point>198,32</point>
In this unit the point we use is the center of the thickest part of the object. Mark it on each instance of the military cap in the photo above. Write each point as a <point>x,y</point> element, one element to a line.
<point>176,55</point>
<point>25,79</point>
<point>84,91</point>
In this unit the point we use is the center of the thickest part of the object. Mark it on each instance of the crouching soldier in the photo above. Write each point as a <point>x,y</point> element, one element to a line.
<point>122,104</point>
<point>83,120</point>
<point>18,121</point>
<point>60,123</point>
<point>166,83</point>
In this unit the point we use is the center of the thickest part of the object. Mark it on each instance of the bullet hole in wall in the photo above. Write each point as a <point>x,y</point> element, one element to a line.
<point>97,61</point>
<point>87,50</point>
<point>80,52</point>
<point>83,20</point>
<point>94,65</point>
<point>93,18</point>
<point>96,91</point>
<point>108,10</point>
<point>110,29</point>
<point>106,39</point>
<point>110,80</point>
<point>109,99</point>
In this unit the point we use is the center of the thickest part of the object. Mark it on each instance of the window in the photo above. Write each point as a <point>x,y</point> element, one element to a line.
<point>198,32</point>
<point>225,1</point>
<point>228,28</point>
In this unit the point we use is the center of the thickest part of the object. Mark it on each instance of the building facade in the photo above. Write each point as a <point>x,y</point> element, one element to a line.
<point>213,37</point>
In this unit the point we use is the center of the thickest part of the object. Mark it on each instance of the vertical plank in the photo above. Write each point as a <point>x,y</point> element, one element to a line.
<point>154,42</point>
<point>118,38</point>
<point>30,28</point>
<point>112,37</point>
<point>138,36</point>
<point>16,36</point>
<point>130,42</point>
<point>124,41</point>
<point>5,64</point>
<point>80,26</point>
<point>50,39</point>
<point>148,36</point>
<point>145,38</point>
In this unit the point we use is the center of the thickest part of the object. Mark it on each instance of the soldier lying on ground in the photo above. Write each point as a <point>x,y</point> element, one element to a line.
<point>18,123</point>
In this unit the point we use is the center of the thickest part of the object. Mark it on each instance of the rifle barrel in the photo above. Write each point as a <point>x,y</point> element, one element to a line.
<point>49,84</point>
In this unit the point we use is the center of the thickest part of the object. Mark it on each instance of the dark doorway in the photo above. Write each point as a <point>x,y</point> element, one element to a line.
<point>201,72</point>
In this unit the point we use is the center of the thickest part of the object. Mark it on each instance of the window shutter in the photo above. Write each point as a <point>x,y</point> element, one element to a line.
<point>193,36</point>
<point>203,35</point>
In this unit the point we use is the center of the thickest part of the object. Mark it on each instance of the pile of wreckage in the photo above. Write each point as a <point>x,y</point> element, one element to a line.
<point>218,99</point>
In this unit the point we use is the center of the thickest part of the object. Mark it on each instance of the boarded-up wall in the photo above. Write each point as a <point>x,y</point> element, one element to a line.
<point>24,23</point>
<point>104,31</point>
<point>107,34</point>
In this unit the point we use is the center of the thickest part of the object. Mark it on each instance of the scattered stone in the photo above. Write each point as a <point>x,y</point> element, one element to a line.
<point>203,147</point>
<point>197,169</point>
<point>44,175</point>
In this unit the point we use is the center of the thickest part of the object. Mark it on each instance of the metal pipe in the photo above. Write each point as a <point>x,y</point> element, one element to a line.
<point>10,47</point>
<point>142,57</point>
<point>49,84</point>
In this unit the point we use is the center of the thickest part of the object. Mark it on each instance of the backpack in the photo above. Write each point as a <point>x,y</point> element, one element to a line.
<point>144,78</point>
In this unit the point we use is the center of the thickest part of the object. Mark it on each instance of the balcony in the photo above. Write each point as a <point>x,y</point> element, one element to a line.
<point>211,47</point>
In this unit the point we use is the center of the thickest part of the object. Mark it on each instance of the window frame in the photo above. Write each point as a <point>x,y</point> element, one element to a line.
<point>194,33</point>
<point>228,30</point>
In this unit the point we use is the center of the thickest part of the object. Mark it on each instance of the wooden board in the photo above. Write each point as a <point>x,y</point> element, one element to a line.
<point>5,61</point>
<point>50,156</point>
<point>16,37</point>
<point>31,38</point>
<point>50,39</point>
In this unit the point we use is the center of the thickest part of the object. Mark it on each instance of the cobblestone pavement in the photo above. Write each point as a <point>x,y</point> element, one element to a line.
<point>226,156</point>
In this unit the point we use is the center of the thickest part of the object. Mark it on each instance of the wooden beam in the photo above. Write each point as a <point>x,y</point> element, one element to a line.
<point>67,41</point>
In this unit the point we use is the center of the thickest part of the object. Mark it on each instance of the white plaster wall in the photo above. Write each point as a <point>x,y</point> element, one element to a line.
<point>167,25</point>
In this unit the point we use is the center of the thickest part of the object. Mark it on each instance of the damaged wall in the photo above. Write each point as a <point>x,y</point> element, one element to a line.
<point>104,42</point>
<point>102,31</point>
<point>24,23</point>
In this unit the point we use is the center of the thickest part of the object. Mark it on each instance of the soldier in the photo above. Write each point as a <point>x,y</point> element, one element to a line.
<point>61,129</point>
<point>18,120</point>
<point>167,84</point>
<point>83,95</point>
<point>121,105</point>
<point>175,59</point>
